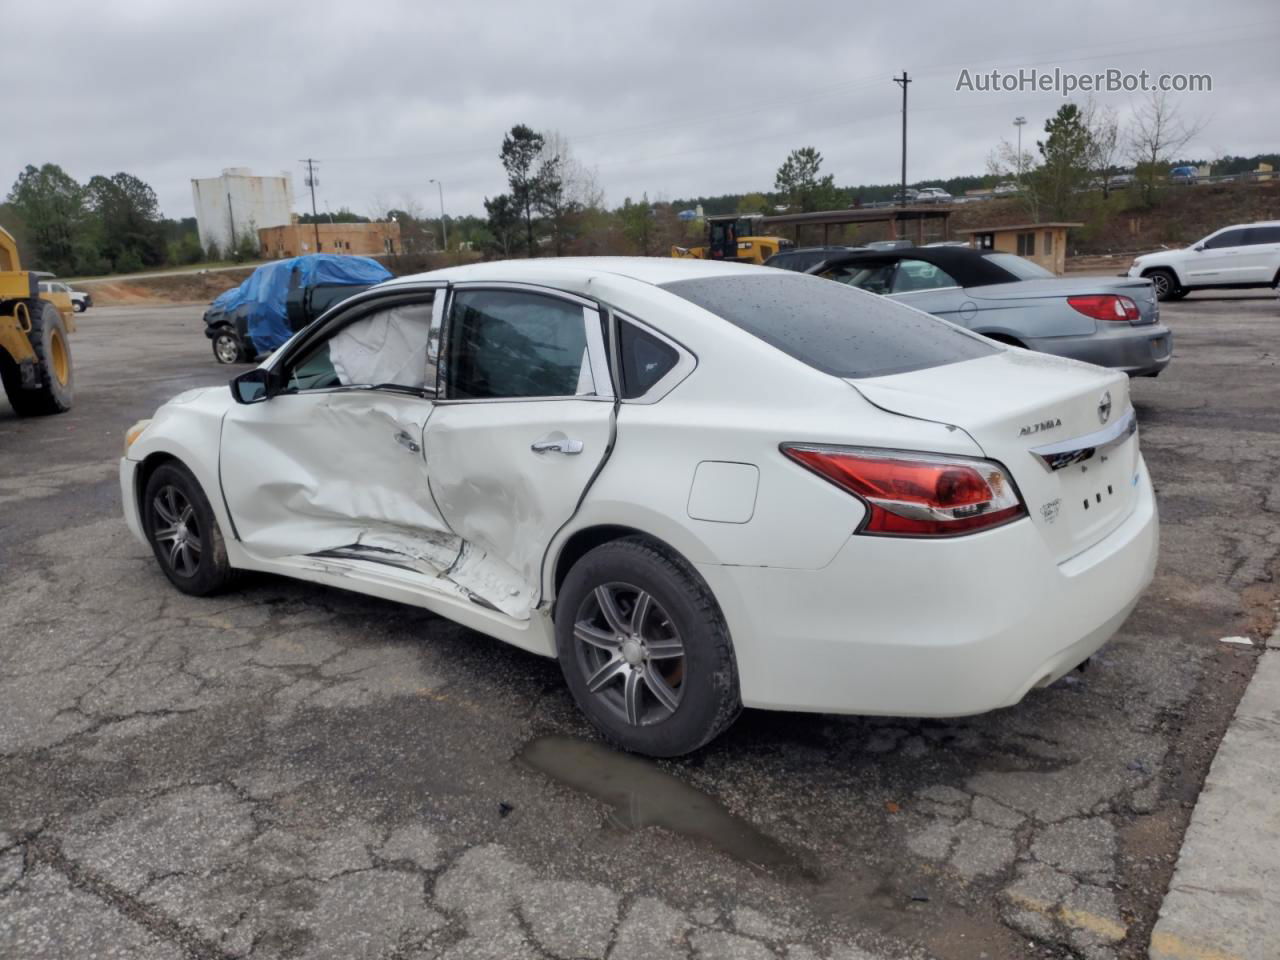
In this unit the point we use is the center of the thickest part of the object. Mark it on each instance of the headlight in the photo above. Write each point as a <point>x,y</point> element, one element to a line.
<point>134,432</point>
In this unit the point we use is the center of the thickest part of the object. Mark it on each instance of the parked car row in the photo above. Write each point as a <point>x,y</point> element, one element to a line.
<point>576,456</point>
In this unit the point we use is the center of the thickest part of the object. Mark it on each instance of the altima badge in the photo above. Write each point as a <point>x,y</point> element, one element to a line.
<point>1104,407</point>
<point>1040,427</point>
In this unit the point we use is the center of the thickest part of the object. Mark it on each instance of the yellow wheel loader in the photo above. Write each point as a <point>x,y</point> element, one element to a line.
<point>35,357</point>
<point>735,238</point>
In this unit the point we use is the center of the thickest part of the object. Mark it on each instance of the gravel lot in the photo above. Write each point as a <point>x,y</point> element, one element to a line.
<point>291,771</point>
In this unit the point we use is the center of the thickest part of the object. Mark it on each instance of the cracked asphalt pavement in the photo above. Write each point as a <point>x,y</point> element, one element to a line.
<point>293,771</point>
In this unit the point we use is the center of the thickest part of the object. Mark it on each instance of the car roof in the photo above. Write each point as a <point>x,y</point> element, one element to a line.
<point>968,267</point>
<point>651,270</point>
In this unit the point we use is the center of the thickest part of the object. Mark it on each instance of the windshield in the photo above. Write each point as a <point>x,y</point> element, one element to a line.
<point>830,326</point>
<point>1021,268</point>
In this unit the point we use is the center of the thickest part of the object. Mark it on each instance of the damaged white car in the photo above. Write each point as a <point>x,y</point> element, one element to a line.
<point>699,485</point>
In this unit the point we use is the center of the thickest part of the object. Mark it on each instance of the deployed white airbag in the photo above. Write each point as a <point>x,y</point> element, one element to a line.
<point>389,346</point>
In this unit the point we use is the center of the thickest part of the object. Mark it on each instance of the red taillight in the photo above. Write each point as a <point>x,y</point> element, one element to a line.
<point>916,494</point>
<point>1107,306</point>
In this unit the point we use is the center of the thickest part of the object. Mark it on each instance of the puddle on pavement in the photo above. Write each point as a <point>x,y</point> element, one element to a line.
<point>878,898</point>
<point>642,795</point>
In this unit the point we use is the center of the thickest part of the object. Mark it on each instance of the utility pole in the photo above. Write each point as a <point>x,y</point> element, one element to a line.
<point>902,81</point>
<point>311,182</point>
<point>444,227</point>
<point>1018,122</point>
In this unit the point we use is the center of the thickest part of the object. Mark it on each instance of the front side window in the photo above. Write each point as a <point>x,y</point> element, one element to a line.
<point>1228,238</point>
<point>386,348</point>
<point>913,275</point>
<point>505,344</point>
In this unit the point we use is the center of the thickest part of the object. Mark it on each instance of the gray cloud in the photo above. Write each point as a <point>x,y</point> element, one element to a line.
<point>669,98</point>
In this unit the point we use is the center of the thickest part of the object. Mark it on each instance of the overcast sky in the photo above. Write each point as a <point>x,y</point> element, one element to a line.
<point>669,98</point>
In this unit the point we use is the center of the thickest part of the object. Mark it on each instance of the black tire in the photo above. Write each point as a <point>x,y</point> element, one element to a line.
<point>77,306</point>
<point>1166,285</point>
<point>701,697</point>
<point>54,373</point>
<point>194,558</point>
<point>227,347</point>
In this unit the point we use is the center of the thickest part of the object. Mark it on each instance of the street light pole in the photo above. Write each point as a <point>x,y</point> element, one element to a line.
<point>444,226</point>
<point>1018,122</point>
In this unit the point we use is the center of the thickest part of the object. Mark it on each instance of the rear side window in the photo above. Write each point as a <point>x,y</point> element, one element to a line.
<point>505,344</point>
<point>830,326</point>
<point>643,360</point>
<point>1263,235</point>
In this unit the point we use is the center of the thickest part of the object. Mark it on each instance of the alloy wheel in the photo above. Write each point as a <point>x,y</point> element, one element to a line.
<point>175,529</point>
<point>1161,283</point>
<point>630,653</point>
<point>227,349</point>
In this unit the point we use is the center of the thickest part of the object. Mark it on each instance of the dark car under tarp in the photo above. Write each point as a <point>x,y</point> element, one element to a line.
<point>280,298</point>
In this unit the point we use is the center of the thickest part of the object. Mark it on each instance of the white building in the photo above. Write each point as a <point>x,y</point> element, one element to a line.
<point>237,204</point>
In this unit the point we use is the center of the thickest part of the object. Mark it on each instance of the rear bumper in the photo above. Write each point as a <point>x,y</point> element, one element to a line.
<point>916,628</point>
<point>1138,351</point>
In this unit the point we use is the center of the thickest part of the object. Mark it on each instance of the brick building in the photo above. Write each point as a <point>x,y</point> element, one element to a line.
<point>296,239</point>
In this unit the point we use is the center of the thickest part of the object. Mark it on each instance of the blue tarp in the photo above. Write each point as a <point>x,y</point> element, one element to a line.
<point>263,294</point>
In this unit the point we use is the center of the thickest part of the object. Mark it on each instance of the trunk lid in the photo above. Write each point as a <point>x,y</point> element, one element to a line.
<point>1062,429</point>
<point>1136,289</point>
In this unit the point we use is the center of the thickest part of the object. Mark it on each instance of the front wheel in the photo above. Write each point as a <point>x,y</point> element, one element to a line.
<point>183,532</point>
<point>227,347</point>
<point>1166,285</point>
<point>645,650</point>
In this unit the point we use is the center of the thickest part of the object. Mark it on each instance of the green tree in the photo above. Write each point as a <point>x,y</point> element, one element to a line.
<point>1067,155</point>
<point>128,220</point>
<point>520,150</point>
<point>638,224</point>
<point>798,181</point>
<point>52,205</point>
<point>503,224</point>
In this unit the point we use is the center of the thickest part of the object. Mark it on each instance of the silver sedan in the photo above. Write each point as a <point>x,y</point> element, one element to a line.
<point>1112,322</point>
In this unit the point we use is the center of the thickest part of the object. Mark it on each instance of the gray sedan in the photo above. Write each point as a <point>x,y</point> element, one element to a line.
<point>1113,322</point>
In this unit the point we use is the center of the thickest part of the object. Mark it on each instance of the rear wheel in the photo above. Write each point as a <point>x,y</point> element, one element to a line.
<point>48,338</point>
<point>645,650</point>
<point>183,532</point>
<point>77,306</point>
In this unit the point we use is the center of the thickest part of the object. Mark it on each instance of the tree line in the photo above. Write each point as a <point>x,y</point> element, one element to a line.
<point>112,224</point>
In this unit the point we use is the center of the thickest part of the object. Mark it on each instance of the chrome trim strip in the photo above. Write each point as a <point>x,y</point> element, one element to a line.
<point>1055,456</point>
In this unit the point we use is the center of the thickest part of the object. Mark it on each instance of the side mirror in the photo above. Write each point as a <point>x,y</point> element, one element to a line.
<point>252,386</point>
<point>1198,247</point>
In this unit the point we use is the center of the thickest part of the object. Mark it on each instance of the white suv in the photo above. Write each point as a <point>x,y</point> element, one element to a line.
<point>1245,255</point>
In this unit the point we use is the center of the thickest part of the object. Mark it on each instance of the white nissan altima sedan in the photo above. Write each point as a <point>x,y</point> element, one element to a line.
<point>699,485</point>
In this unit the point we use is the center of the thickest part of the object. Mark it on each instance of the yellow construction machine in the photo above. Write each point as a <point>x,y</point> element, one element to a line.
<point>735,237</point>
<point>35,358</point>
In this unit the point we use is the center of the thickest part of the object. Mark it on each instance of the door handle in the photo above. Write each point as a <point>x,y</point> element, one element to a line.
<point>568,447</point>
<point>408,442</point>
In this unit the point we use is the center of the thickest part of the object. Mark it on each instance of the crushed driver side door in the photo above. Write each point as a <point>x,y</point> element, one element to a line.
<point>330,469</point>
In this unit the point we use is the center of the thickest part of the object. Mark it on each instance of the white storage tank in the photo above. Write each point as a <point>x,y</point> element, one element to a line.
<point>237,204</point>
